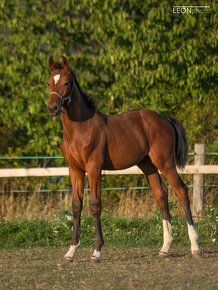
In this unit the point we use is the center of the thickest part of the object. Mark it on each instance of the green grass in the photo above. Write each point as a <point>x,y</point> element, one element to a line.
<point>116,231</point>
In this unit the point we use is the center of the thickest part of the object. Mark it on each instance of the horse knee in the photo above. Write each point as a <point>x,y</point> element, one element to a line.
<point>76,207</point>
<point>95,207</point>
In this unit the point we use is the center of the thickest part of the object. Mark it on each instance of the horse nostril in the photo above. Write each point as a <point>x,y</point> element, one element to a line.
<point>53,109</point>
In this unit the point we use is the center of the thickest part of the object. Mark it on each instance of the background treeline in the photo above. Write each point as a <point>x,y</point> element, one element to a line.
<point>126,54</point>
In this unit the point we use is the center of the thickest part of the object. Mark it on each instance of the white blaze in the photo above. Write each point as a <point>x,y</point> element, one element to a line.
<point>56,78</point>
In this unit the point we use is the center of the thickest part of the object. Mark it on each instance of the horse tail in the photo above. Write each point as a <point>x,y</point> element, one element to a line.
<point>181,146</point>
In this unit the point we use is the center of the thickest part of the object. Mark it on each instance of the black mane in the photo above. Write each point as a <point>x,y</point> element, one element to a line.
<point>88,99</point>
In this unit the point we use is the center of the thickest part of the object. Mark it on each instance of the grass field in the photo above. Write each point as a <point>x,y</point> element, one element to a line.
<point>120,268</point>
<point>31,255</point>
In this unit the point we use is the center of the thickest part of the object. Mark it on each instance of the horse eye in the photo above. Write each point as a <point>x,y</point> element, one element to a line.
<point>66,84</point>
<point>48,84</point>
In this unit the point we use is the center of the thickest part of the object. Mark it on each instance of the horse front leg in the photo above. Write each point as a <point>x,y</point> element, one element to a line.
<point>77,180</point>
<point>95,209</point>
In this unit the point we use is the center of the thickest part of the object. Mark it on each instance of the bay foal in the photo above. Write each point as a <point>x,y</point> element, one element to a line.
<point>93,141</point>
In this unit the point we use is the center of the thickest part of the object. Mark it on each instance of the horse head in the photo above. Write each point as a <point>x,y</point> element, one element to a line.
<point>60,84</point>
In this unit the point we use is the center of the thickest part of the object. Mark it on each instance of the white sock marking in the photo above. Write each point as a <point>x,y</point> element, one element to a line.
<point>56,78</point>
<point>167,235</point>
<point>96,254</point>
<point>193,236</point>
<point>69,255</point>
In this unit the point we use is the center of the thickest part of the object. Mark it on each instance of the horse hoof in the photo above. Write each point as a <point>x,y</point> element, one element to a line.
<point>197,254</point>
<point>69,259</point>
<point>163,254</point>
<point>95,259</point>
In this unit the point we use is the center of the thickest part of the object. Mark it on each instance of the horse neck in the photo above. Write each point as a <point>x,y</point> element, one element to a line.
<point>77,112</point>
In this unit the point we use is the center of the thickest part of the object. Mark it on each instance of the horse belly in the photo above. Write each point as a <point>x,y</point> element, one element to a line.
<point>125,156</point>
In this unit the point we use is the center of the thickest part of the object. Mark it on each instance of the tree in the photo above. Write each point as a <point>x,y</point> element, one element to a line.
<point>126,54</point>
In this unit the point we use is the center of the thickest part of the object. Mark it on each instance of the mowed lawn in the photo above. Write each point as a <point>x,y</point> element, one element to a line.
<point>120,268</point>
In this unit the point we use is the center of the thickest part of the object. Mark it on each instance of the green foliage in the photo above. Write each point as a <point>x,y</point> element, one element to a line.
<point>25,234</point>
<point>127,54</point>
<point>116,231</point>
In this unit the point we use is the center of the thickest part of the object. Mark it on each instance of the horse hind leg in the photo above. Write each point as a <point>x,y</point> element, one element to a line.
<point>193,235</point>
<point>181,191</point>
<point>161,196</point>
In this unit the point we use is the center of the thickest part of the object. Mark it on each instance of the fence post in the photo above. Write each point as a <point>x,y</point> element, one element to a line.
<point>198,182</point>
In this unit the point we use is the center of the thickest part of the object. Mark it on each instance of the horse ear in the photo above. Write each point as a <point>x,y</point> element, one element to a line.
<point>51,64</point>
<point>65,64</point>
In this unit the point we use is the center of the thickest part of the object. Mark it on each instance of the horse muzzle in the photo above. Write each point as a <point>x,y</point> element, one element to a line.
<point>54,110</point>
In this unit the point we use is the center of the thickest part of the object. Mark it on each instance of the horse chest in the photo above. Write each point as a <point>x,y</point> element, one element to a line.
<point>76,152</point>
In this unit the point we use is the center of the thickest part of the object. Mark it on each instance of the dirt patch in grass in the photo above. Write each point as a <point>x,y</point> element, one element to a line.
<point>121,268</point>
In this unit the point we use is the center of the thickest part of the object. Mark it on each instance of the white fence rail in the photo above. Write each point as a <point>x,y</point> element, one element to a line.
<point>198,170</point>
<point>63,171</point>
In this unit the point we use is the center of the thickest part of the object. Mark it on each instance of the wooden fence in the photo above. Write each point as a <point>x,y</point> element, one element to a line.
<point>198,170</point>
